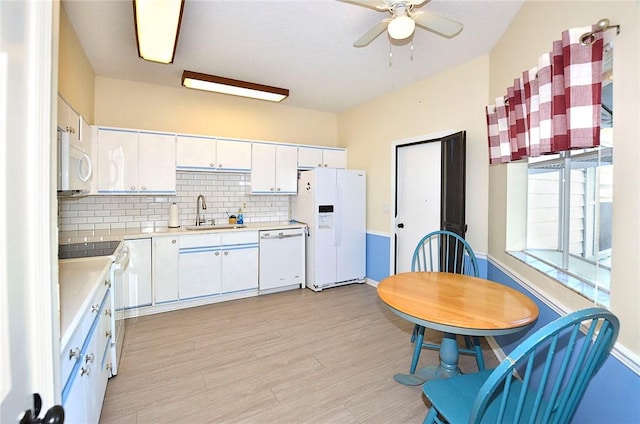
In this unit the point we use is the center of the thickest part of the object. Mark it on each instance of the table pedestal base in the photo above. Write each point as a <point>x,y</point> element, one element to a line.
<point>448,364</point>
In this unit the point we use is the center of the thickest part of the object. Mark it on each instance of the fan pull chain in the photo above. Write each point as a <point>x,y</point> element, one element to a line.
<point>390,54</point>
<point>412,49</point>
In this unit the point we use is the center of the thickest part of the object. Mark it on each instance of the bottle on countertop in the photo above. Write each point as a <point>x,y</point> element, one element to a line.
<point>239,217</point>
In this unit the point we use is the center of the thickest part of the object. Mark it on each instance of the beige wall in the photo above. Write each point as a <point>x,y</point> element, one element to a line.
<point>532,32</point>
<point>76,80</point>
<point>129,104</point>
<point>453,100</point>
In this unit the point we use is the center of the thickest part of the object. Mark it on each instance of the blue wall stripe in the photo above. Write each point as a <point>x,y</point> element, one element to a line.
<point>608,398</point>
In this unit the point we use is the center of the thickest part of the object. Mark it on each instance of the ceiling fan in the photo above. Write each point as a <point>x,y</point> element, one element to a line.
<point>403,20</point>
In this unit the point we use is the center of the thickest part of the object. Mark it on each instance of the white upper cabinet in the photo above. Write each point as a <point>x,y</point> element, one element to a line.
<point>69,121</point>
<point>321,157</point>
<point>130,162</point>
<point>274,169</point>
<point>210,154</point>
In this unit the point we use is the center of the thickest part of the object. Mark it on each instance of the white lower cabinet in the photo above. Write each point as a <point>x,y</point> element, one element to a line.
<point>165,253</point>
<point>199,266</point>
<point>137,278</point>
<point>239,266</point>
<point>217,263</point>
<point>85,360</point>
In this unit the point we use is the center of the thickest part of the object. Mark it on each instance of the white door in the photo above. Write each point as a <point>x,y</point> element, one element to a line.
<point>29,322</point>
<point>417,197</point>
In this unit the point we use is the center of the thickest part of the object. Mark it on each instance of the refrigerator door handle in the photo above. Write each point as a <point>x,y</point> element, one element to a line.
<point>337,231</point>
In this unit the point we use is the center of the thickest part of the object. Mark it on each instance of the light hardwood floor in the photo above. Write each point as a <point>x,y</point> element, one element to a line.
<point>290,357</point>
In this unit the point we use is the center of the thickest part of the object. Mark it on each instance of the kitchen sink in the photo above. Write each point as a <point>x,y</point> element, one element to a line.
<point>203,227</point>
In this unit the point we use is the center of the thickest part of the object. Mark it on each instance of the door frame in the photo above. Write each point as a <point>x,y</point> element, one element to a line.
<point>393,220</point>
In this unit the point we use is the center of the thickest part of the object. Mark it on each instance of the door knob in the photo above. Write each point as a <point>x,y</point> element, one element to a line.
<point>401,225</point>
<point>55,414</point>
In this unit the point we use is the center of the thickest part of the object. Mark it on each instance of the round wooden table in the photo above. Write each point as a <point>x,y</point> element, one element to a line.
<point>455,304</point>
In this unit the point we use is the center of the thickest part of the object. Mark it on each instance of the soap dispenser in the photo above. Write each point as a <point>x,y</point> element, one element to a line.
<point>239,217</point>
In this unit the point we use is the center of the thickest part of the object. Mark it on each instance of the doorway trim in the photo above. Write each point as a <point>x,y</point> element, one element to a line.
<point>395,144</point>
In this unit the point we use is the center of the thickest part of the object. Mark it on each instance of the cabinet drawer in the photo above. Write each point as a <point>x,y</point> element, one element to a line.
<point>199,240</point>
<point>73,352</point>
<point>240,237</point>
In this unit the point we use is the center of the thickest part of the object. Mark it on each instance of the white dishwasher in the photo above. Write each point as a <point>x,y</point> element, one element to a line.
<point>282,259</point>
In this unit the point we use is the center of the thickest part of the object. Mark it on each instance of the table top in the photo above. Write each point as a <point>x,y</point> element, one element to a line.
<point>457,303</point>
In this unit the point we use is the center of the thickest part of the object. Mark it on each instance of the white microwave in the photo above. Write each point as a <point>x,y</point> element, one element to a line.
<point>74,168</point>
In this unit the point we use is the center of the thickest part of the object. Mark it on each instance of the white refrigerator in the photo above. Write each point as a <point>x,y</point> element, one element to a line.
<point>332,203</point>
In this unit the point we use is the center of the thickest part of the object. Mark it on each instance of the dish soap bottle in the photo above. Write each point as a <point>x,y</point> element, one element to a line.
<point>239,217</point>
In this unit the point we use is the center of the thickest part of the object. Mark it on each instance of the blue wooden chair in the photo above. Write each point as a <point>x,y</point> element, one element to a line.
<point>541,381</point>
<point>444,251</point>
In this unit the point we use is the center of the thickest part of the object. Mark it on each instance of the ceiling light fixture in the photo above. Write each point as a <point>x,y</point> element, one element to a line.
<point>402,25</point>
<point>223,85</point>
<point>157,24</point>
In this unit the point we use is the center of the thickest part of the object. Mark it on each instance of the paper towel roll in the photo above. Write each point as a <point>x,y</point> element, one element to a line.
<point>174,220</point>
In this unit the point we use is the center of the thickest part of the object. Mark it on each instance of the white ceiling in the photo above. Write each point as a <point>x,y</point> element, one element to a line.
<point>303,45</point>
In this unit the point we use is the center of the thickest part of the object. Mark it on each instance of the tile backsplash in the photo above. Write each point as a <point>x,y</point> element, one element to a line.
<point>223,192</point>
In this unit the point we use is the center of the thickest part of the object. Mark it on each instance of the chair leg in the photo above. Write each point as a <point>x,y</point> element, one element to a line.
<point>432,416</point>
<point>414,333</point>
<point>417,348</point>
<point>478,349</point>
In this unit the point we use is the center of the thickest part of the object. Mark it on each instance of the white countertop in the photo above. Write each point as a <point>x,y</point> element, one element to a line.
<point>81,236</point>
<point>79,279</point>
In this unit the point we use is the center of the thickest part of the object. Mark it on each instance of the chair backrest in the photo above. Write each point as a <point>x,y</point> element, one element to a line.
<point>444,251</point>
<point>545,377</point>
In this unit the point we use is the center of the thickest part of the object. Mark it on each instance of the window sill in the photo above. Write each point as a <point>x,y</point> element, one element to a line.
<point>584,288</point>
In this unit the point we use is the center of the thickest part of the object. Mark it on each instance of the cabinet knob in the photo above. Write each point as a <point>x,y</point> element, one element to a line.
<point>74,353</point>
<point>144,187</point>
<point>85,371</point>
<point>220,165</point>
<point>319,165</point>
<point>325,165</point>
<point>107,334</point>
<point>89,358</point>
<point>278,189</point>
<point>173,241</point>
<point>95,308</point>
<point>133,187</point>
<point>107,312</point>
<point>271,189</point>
<point>226,253</point>
<point>217,253</point>
<point>107,283</point>
<point>213,165</point>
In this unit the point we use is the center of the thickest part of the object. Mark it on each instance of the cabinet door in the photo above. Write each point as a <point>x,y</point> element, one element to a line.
<point>156,163</point>
<point>286,169</point>
<point>332,158</point>
<point>84,135</point>
<point>263,168</point>
<point>233,155</point>
<point>239,261</point>
<point>309,157</point>
<point>117,161</point>
<point>195,153</point>
<point>165,269</point>
<point>75,402</point>
<point>63,114</point>
<point>137,277</point>
<point>199,266</point>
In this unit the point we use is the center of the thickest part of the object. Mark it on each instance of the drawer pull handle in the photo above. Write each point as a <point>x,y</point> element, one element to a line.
<point>107,283</point>
<point>89,358</point>
<point>108,334</point>
<point>85,371</point>
<point>74,353</point>
<point>95,308</point>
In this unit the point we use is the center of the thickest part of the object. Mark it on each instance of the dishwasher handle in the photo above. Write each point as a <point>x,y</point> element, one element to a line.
<point>269,236</point>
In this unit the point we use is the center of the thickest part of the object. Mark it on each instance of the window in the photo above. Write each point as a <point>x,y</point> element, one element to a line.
<point>569,205</point>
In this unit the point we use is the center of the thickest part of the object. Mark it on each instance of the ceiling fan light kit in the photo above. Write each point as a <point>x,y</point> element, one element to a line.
<point>233,87</point>
<point>403,20</point>
<point>157,25</point>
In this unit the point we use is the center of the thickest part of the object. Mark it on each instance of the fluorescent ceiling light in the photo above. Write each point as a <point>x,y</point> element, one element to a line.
<point>157,25</point>
<point>234,87</point>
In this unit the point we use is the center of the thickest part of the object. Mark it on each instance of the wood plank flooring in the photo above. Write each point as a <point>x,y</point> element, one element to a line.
<point>290,357</point>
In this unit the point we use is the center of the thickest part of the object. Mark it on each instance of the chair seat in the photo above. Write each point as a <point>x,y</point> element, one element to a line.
<point>455,397</point>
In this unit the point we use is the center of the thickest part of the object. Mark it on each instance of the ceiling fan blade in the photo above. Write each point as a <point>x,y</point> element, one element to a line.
<point>371,35</point>
<point>442,26</point>
<point>373,4</point>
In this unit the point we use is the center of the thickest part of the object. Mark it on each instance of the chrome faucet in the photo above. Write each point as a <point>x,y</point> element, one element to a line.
<point>200,220</point>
